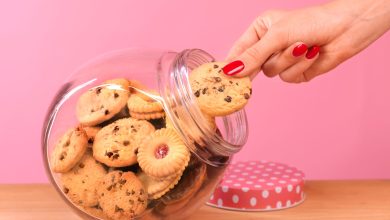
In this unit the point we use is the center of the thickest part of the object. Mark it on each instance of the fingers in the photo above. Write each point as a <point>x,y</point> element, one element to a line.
<point>296,72</point>
<point>254,33</point>
<point>254,57</point>
<point>281,61</point>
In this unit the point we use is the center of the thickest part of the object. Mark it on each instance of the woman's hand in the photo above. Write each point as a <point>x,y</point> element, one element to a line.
<point>302,44</point>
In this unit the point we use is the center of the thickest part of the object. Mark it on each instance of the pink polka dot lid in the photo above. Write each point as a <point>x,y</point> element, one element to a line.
<point>259,186</point>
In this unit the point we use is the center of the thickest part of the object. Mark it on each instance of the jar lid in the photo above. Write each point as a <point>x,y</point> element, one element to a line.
<point>259,186</point>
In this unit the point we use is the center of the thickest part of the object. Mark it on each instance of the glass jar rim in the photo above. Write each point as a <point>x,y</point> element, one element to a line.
<point>176,91</point>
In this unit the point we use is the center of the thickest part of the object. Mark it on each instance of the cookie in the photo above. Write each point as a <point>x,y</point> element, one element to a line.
<point>91,133</point>
<point>190,182</point>
<point>103,102</point>
<point>139,105</point>
<point>95,211</point>
<point>216,93</point>
<point>116,144</point>
<point>163,154</point>
<point>147,116</point>
<point>79,184</point>
<point>157,188</point>
<point>122,196</point>
<point>136,87</point>
<point>69,149</point>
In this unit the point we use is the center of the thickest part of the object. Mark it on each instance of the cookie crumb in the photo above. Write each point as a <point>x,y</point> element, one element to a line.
<point>126,143</point>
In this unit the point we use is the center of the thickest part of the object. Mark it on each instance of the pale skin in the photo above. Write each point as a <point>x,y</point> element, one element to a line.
<point>341,29</point>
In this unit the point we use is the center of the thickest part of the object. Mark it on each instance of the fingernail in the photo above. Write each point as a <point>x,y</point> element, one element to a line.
<point>233,68</point>
<point>299,50</point>
<point>312,52</point>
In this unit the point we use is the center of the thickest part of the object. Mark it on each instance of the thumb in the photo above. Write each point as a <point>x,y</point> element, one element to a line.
<point>251,60</point>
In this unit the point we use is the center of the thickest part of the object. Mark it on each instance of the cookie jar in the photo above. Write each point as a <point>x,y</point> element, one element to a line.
<point>157,77</point>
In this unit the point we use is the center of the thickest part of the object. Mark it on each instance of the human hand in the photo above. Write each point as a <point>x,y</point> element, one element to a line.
<point>302,44</point>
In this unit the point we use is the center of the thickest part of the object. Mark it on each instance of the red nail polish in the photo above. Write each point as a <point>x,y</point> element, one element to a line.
<point>312,52</point>
<point>299,50</point>
<point>233,68</point>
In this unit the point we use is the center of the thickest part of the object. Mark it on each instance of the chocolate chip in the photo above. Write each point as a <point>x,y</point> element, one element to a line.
<point>231,82</point>
<point>83,181</point>
<point>217,79</point>
<point>116,156</point>
<point>81,165</point>
<point>116,128</point>
<point>90,140</point>
<point>204,90</point>
<point>102,194</point>
<point>63,155</point>
<point>250,91</point>
<point>237,84</point>
<point>122,181</point>
<point>66,190</point>
<point>67,143</point>
<point>214,87</point>
<point>92,110</point>
<point>127,192</point>
<point>215,66</point>
<point>126,143</point>
<point>219,71</point>
<point>80,201</point>
<point>132,192</point>
<point>221,88</point>
<point>228,99</point>
<point>131,202</point>
<point>116,95</point>
<point>109,154</point>
<point>118,209</point>
<point>246,96</point>
<point>98,90</point>
<point>134,130</point>
<point>106,112</point>
<point>109,187</point>
<point>197,93</point>
<point>136,151</point>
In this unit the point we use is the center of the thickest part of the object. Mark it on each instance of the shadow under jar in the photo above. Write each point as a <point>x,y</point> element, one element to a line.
<point>167,73</point>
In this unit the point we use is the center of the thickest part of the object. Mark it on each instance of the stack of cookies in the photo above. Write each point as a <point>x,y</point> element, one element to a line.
<point>124,155</point>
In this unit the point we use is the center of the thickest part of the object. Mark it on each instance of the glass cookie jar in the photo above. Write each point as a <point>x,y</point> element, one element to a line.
<point>93,137</point>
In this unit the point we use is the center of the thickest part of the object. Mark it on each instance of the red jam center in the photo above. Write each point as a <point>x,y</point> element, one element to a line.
<point>161,151</point>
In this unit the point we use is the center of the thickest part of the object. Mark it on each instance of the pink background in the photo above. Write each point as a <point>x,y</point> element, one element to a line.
<point>337,126</point>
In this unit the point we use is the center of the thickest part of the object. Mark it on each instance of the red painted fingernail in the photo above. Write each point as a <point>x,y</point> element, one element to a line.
<point>233,68</point>
<point>312,52</point>
<point>299,50</point>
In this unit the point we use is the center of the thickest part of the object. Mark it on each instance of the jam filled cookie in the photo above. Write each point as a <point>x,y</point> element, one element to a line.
<point>116,144</point>
<point>103,102</point>
<point>163,154</point>
<point>157,188</point>
<point>69,149</point>
<point>216,93</point>
<point>79,184</point>
<point>122,196</point>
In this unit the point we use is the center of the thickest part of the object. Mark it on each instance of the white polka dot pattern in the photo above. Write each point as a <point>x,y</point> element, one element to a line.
<point>259,185</point>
